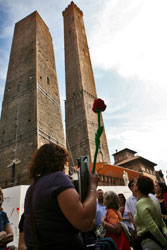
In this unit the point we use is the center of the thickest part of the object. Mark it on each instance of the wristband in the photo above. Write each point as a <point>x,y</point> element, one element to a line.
<point>92,190</point>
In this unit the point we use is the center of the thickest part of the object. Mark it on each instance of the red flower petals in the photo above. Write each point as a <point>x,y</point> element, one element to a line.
<point>98,105</point>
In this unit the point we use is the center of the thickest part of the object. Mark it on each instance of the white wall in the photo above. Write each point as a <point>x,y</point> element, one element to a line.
<point>13,205</point>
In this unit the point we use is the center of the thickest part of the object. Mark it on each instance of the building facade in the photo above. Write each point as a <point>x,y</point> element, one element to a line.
<point>127,159</point>
<point>81,121</point>
<point>31,112</point>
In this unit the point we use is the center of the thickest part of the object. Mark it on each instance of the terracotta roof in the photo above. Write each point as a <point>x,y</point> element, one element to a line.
<point>136,158</point>
<point>114,171</point>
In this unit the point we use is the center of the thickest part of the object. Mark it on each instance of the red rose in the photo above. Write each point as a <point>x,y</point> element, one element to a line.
<point>98,105</point>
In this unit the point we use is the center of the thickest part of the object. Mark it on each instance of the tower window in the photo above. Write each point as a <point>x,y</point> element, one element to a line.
<point>48,80</point>
<point>13,172</point>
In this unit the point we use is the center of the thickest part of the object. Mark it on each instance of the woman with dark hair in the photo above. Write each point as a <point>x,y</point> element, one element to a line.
<point>151,228</point>
<point>53,211</point>
<point>112,220</point>
<point>125,216</point>
<point>161,195</point>
<point>122,201</point>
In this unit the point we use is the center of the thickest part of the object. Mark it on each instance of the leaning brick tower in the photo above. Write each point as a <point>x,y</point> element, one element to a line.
<point>81,122</point>
<point>31,112</point>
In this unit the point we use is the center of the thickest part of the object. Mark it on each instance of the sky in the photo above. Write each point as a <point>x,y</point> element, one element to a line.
<point>127,41</point>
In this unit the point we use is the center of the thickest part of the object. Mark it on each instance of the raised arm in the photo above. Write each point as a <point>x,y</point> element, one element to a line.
<point>80,215</point>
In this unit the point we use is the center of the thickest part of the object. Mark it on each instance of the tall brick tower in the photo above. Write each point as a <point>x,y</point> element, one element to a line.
<point>81,122</point>
<point>31,112</point>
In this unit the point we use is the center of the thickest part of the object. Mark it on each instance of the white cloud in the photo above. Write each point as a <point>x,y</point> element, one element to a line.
<point>130,38</point>
<point>148,139</point>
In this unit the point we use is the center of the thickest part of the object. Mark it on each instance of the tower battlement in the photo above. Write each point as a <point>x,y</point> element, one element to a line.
<point>70,6</point>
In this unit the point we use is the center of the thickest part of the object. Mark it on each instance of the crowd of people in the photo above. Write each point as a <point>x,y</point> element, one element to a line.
<point>55,218</point>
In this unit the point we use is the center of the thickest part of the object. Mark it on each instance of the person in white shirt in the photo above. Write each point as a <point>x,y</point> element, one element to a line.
<point>130,205</point>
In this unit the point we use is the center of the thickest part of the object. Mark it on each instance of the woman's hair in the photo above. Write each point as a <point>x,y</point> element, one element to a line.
<point>131,182</point>
<point>47,159</point>
<point>162,186</point>
<point>123,197</point>
<point>111,200</point>
<point>145,185</point>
